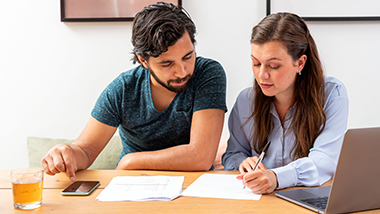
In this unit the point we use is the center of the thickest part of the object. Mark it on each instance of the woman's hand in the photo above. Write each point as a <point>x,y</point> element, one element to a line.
<point>248,164</point>
<point>260,181</point>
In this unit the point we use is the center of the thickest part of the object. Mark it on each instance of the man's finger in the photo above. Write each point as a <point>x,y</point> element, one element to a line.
<point>71,174</point>
<point>69,167</point>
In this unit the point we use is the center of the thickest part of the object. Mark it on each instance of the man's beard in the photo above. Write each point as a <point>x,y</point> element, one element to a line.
<point>171,88</point>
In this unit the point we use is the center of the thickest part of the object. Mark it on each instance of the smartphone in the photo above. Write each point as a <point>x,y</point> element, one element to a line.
<point>80,188</point>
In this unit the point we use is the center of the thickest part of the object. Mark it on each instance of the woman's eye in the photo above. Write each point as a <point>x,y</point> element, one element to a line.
<point>274,67</point>
<point>256,65</point>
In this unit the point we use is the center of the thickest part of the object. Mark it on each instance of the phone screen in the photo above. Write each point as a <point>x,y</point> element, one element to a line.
<point>81,188</point>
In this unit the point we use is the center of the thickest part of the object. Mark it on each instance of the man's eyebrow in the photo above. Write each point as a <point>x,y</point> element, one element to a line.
<point>169,61</point>
<point>189,53</point>
<point>165,61</point>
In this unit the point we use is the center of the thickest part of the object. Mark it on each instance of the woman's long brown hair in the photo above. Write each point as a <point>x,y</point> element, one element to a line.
<point>309,118</point>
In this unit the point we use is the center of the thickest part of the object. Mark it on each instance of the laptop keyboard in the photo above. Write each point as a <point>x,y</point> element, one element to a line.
<point>320,202</point>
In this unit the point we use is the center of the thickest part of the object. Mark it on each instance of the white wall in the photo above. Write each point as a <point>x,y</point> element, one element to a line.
<point>51,73</point>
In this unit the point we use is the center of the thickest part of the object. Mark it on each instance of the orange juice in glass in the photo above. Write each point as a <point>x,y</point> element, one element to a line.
<point>27,186</point>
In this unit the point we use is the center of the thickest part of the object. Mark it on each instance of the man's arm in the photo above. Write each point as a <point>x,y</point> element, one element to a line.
<point>199,154</point>
<point>81,153</point>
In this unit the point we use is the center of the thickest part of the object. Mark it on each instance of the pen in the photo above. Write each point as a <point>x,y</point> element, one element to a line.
<point>261,157</point>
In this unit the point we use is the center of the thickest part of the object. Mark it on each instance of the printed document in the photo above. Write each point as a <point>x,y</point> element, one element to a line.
<point>219,186</point>
<point>142,188</point>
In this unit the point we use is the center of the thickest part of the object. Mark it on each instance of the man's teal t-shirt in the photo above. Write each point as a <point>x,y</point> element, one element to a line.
<point>126,103</point>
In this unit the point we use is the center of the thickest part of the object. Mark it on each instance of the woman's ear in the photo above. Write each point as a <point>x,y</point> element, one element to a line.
<point>302,62</point>
<point>142,61</point>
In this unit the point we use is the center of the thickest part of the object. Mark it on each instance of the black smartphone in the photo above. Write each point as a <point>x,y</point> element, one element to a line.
<point>80,188</point>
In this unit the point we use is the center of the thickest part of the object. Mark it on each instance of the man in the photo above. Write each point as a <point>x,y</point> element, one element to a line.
<point>169,110</point>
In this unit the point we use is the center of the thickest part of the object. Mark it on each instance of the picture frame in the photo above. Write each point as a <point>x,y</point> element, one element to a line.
<point>327,10</point>
<point>104,10</point>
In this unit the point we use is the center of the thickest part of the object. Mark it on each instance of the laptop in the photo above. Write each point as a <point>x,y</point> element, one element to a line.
<point>356,183</point>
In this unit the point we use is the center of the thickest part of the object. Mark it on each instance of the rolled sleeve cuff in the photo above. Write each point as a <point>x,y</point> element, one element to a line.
<point>238,161</point>
<point>286,176</point>
<point>234,162</point>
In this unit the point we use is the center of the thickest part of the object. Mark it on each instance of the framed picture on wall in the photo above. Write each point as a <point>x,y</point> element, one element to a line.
<point>104,10</point>
<point>327,10</point>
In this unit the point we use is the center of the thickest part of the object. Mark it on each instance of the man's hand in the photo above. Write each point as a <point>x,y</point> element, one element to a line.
<point>81,153</point>
<point>60,158</point>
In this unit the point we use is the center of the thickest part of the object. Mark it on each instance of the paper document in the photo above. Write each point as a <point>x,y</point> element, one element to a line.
<point>219,186</point>
<point>142,188</point>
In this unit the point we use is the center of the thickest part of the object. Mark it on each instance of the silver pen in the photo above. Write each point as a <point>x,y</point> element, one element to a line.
<point>261,157</point>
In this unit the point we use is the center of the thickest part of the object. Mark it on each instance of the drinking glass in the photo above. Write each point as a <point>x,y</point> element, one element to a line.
<point>27,188</point>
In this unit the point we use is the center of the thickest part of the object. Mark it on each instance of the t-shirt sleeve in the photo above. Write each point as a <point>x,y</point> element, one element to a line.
<point>107,109</point>
<point>211,91</point>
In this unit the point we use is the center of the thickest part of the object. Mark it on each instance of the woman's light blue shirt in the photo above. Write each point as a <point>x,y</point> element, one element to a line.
<point>315,169</point>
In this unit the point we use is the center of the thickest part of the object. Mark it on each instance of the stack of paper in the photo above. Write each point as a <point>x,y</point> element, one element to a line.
<point>219,186</point>
<point>142,188</point>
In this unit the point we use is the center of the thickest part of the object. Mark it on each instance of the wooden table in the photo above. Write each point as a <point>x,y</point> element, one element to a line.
<point>53,202</point>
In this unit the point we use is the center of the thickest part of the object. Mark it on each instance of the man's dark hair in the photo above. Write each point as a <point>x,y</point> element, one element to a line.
<point>157,27</point>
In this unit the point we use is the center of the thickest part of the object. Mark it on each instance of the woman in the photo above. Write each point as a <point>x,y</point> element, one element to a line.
<point>302,113</point>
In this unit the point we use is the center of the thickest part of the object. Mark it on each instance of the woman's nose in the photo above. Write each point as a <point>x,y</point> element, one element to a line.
<point>263,73</point>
